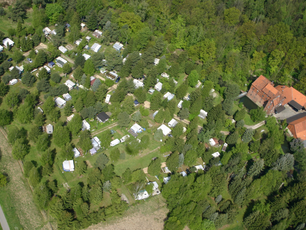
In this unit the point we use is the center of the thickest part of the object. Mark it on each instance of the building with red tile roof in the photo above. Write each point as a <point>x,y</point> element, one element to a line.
<point>264,94</point>
<point>298,128</point>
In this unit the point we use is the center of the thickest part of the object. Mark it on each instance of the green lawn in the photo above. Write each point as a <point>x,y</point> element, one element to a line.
<point>248,120</point>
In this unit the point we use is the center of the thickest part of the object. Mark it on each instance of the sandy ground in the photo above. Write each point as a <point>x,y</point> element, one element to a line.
<point>149,215</point>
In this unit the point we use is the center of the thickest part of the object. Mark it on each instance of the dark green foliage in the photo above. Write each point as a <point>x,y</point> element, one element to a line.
<point>258,114</point>
<point>28,79</point>
<point>6,117</point>
<point>85,142</point>
<point>154,167</point>
<point>123,119</point>
<point>232,138</point>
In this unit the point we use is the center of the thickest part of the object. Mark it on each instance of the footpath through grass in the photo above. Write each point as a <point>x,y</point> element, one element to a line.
<point>16,198</point>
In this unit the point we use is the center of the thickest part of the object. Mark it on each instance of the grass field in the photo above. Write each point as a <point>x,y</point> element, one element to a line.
<point>16,198</point>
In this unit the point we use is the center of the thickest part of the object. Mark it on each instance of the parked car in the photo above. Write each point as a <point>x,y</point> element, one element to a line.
<point>10,59</point>
<point>29,60</point>
<point>117,80</point>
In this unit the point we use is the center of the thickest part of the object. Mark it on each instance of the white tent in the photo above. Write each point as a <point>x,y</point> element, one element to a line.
<point>203,114</point>
<point>136,128</point>
<point>156,61</point>
<point>13,82</point>
<point>49,129</point>
<point>115,142</point>
<point>76,152</point>
<point>70,84</point>
<point>68,166</point>
<point>158,86</point>
<point>108,96</point>
<point>86,56</point>
<point>137,83</point>
<point>9,41</point>
<point>62,49</point>
<point>85,125</point>
<point>216,154</point>
<point>212,142</point>
<point>96,47</point>
<point>172,123</point>
<point>166,179</point>
<point>179,105</point>
<point>165,75</point>
<point>166,130</point>
<point>143,194</point>
<point>124,138</point>
<point>60,102</point>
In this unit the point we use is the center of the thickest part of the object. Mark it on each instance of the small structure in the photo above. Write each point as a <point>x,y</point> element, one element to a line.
<point>199,84</point>
<point>102,117</point>
<point>85,125</point>
<point>199,167</point>
<point>83,25</point>
<point>53,32</point>
<point>76,152</point>
<point>47,30</point>
<point>68,166</point>
<point>136,129</point>
<point>40,109</point>
<point>96,47</point>
<point>203,114</point>
<point>51,64</point>
<point>141,195</point>
<point>155,113</point>
<point>86,47</point>
<point>136,102</point>
<point>107,99</point>
<point>1,48</point>
<point>49,129</point>
<point>96,33</point>
<point>212,142</point>
<point>7,41</point>
<point>60,102</point>
<point>156,61</point>
<point>124,138</point>
<point>172,123</point>
<point>60,62</point>
<point>180,104</point>
<point>165,75</point>
<point>155,189</point>
<point>70,84</point>
<point>118,46</point>
<point>88,38</point>
<point>166,179</point>
<point>166,130</point>
<point>96,143</point>
<point>224,147</point>
<point>67,97</point>
<point>13,82</point>
<point>114,142</point>
<point>62,49</point>
<point>70,117</point>
<point>169,96</point>
<point>137,83</point>
<point>151,91</point>
<point>86,56</point>
<point>112,75</point>
<point>166,170</point>
<point>187,97</point>
<point>216,154</point>
<point>93,151</point>
<point>78,42</point>
<point>183,173</point>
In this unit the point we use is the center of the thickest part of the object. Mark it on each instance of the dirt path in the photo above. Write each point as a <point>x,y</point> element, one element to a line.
<point>26,210</point>
<point>39,47</point>
<point>255,126</point>
<point>105,128</point>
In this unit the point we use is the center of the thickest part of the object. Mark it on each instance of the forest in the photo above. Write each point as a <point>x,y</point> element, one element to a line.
<point>204,53</point>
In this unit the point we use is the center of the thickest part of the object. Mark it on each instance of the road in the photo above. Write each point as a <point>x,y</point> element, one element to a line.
<point>3,221</point>
<point>105,128</point>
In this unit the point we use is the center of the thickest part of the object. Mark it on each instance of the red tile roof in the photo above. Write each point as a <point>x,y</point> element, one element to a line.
<point>290,94</point>
<point>298,128</point>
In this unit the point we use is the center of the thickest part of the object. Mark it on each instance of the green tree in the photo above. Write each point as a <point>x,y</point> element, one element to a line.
<point>40,119</point>
<point>3,89</point>
<point>240,114</point>
<point>231,16</point>
<point>34,132</point>
<point>258,114</point>
<point>27,166</point>
<point>20,148</point>
<point>74,33</point>
<point>12,99</point>
<point>115,155</point>
<point>154,167</point>
<point>95,195</point>
<point>75,125</point>
<point>28,79</point>
<point>173,162</point>
<point>193,78</point>
<point>85,142</point>
<point>61,135</point>
<point>247,136</point>
<point>101,161</point>
<point>232,138</point>
<point>79,104</point>
<point>81,167</point>
<point>67,68</point>
<point>43,85</point>
<point>3,180</point>
<point>136,116</point>
<point>25,113</point>
<point>123,119</point>
<point>92,22</point>
<point>34,177</point>
<point>183,113</point>
<point>160,116</point>
<point>6,117</point>
<point>43,142</point>
<point>89,67</point>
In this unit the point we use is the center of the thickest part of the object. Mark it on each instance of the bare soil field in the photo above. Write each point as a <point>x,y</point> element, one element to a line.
<point>149,215</point>
<point>18,192</point>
